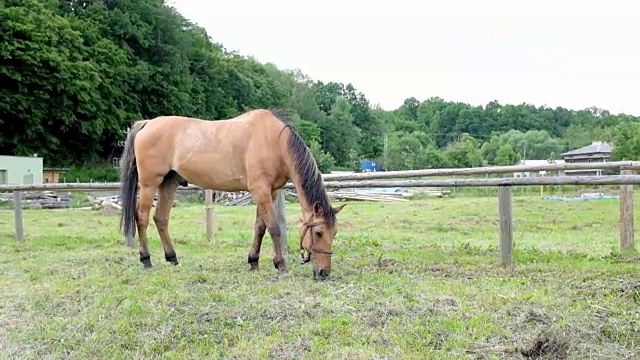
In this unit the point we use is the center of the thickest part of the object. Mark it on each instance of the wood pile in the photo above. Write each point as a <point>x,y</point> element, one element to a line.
<point>114,202</point>
<point>246,199</point>
<point>383,197</point>
<point>596,192</point>
<point>41,200</point>
<point>241,199</point>
<point>105,202</point>
<point>56,200</point>
<point>438,192</point>
<point>226,198</point>
<point>346,194</point>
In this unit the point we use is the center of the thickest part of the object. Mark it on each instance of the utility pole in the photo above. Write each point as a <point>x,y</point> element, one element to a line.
<point>385,137</point>
<point>386,147</point>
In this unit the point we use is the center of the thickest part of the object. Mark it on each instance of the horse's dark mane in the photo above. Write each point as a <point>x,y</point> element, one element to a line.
<point>310,176</point>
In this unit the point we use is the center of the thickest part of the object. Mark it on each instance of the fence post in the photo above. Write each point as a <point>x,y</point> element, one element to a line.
<point>17,212</point>
<point>506,225</point>
<point>208,198</point>
<point>626,214</point>
<point>281,216</point>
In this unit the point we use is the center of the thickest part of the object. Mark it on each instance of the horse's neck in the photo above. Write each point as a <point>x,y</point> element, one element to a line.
<point>306,206</point>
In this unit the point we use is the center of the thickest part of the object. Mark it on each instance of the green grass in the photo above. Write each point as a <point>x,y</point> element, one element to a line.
<point>410,281</point>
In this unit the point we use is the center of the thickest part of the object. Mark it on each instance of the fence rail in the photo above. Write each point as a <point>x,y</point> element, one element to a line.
<point>626,180</point>
<point>337,184</point>
<point>485,170</point>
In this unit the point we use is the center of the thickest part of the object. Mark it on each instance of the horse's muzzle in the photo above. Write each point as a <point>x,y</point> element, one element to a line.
<point>321,274</point>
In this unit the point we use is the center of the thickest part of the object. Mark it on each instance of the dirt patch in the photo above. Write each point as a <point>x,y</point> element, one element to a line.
<point>346,226</point>
<point>591,224</point>
<point>632,291</point>
<point>385,264</point>
<point>406,222</point>
<point>444,270</point>
<point>536,316</point>
<point>108,211</point>
<point>606,192</point>
<point>296,350</point>
<point>624,258</point>
<point>546,345</point>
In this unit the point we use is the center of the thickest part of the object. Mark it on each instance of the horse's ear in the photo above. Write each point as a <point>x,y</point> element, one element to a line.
<point>317,209</point>
<point>337,209</point>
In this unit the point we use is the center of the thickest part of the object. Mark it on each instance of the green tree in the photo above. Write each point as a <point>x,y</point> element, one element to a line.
<point>506,155</point>
<point>339,134</point>
<point>77,73</point>
<point>465,153</point>
<point>626,141</point>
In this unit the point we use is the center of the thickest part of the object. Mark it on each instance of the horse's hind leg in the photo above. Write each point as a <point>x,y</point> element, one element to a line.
<point>166,195</point>
<point>259,231</point>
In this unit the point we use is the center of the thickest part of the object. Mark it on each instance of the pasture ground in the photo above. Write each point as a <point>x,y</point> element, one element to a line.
<point>410,280</point>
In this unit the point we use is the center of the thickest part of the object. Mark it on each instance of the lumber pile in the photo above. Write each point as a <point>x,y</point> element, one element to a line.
<point>368,195</point>
<point>105,202</point>
<point>240,199</point>
<point>356,195</point>
<point>41,199</point>
<point>437,192</point>
<point>56,200</point>
<point>596,192</point>
<point>114,202</point>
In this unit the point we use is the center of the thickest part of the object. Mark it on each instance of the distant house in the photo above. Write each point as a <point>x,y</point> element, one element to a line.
<point>20,170</point>
<point>598,151</point>
<point>52,175</point>
<point>541,172</point>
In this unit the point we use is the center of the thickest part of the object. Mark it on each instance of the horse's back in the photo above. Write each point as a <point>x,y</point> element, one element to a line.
<point>215,154</point>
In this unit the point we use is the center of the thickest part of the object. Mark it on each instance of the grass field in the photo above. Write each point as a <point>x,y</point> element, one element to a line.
<point>410,281</point>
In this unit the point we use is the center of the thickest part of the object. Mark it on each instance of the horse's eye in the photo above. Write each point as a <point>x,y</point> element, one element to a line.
<point>318,233</point>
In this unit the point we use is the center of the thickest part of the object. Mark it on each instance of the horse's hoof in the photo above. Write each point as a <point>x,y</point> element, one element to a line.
<point>172,259</point>
<point>147,266</point>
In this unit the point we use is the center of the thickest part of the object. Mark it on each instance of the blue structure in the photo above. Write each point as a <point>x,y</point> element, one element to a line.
<point>578,198</point>
<point>370,166</point>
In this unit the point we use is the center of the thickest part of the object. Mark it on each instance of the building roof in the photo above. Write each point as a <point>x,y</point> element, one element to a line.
<point>595,147</point>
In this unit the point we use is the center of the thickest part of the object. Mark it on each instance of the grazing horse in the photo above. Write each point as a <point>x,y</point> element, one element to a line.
<point>257,151</point>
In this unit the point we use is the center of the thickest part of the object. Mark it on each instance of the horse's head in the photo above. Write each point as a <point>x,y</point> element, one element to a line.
<point>316,240</point>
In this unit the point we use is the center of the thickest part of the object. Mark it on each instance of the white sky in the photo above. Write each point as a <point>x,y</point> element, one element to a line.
<point>577,54</point>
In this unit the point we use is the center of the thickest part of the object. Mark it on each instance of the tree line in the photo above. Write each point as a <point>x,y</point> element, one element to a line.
<point>76,73</point>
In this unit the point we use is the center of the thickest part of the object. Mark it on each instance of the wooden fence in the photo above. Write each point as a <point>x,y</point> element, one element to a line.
<point>626,180</point>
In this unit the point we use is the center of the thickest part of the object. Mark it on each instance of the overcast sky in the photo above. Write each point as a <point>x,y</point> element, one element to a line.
<point>576,55</point>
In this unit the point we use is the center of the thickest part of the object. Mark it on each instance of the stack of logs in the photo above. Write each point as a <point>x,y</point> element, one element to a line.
<point>41,200</point>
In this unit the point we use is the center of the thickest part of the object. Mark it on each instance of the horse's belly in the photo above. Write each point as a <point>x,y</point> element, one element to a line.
<point>221,179</point>
<point>214,160</point>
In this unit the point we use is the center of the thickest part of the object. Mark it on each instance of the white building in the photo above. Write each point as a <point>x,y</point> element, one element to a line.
<point>539,173</point>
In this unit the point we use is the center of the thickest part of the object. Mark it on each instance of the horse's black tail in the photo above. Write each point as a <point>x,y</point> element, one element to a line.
<point>129,182</point>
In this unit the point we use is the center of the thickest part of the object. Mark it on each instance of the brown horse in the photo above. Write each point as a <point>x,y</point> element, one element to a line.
<point>257,151</point>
